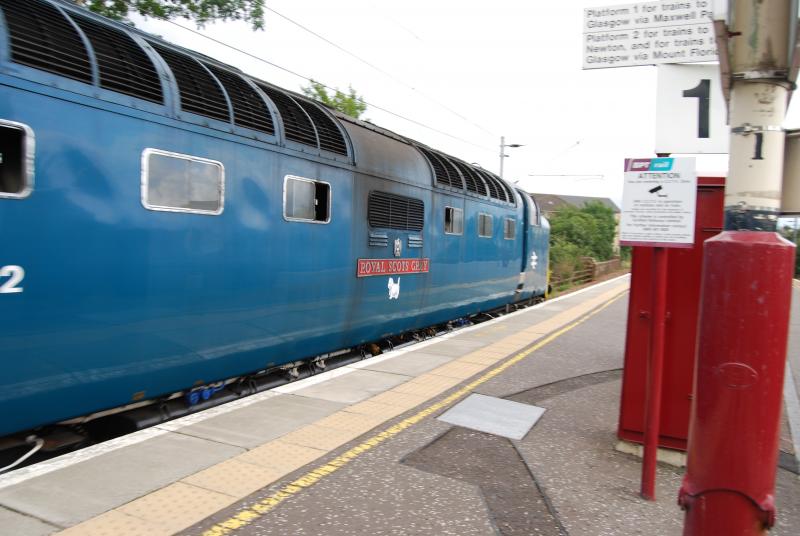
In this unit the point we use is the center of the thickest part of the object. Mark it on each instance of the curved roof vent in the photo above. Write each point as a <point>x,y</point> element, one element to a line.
<point>330,137</point>
<point>473,180</point>
<point>200,93</point>
<point>249,109</point>
<point>499,186</point>
<point>124,67</point>
<point>444,171</point>
<point>296,124</point>
<point>490,184</point>
<point>41,37</point>
<point>511,197</point>
<point>503,190</point>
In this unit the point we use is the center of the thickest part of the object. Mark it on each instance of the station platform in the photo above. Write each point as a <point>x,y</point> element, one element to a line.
<point>370,448</point>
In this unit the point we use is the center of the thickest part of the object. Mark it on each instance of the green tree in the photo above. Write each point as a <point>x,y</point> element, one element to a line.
<point>789,233</point>
<point>200,11</point>
<point>576,233</point>
<point>591,229</point>
<point>348,103</point>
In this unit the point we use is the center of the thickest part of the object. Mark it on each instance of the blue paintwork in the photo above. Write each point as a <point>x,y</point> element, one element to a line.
<point>121,302</point>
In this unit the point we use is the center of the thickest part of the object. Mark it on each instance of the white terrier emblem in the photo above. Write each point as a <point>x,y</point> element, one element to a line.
<point>394,289</point>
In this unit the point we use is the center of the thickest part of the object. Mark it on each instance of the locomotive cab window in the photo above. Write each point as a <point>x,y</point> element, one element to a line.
<point>306,200</point>
<point>16,159</point>
<point>485,225</point>
<point>453,221</point>
<point>181,183</point>
<point>509,228</point>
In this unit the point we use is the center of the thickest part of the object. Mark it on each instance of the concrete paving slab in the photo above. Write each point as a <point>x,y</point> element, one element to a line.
<point>571,455</point>
<point>22,525</point>
<point>493,415</point>
<point>454,347</point>
<point>411,364</point>
<point>594,346</point>
<point>378,495</point>
<point>264,421</point>
<point>78,492</point>
<point>354,387</point>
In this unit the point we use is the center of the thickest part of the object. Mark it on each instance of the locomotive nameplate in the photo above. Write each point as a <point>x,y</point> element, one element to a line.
<point>370,267</point>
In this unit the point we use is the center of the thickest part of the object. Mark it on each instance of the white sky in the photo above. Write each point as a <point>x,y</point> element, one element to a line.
<point>506,67</point>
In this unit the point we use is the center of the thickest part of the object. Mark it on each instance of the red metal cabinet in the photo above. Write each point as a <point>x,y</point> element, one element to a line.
<point>684,268</point>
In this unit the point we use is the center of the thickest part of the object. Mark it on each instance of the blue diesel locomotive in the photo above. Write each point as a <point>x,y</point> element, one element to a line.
<point>168,222</point>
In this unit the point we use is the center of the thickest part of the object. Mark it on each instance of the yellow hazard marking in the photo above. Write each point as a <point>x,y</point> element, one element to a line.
<point>255,511</point>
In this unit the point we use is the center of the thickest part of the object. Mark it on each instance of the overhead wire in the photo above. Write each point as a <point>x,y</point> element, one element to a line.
<point>309,79</point>
<point>382,71</point>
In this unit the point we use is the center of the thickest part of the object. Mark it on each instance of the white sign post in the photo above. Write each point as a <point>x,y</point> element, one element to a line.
<point>648,33</point>
<point>691,116</point>
<point>659,202</point>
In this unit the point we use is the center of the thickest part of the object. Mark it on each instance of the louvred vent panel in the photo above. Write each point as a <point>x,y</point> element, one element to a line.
<point>124,66</point>
<point>296,125</point>
<point>471,178</point>
<point>330,137</point>
<point>249,109</point>
<point>200,93</point>
<point>41,37</point>
<point>443,171</point>
<point>393,211</point>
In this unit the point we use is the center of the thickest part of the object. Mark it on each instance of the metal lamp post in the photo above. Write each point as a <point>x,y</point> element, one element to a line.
<point>503,151</point>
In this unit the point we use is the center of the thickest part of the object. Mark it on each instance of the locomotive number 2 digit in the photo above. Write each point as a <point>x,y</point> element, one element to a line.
<point>15,275</point>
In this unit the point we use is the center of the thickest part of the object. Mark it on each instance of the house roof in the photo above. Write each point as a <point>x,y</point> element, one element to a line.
<point>550,203</point>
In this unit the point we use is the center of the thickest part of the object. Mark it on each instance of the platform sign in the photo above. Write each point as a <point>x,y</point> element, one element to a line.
<point>659,200</point>
<point>648,33</point>
<point>691,116</point>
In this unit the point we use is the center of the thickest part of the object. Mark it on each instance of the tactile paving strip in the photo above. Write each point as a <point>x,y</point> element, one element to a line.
<point>198,496</point>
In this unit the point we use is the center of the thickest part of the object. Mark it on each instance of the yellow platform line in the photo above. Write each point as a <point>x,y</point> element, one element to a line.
<point>196,497</point>
<point>257,510</point>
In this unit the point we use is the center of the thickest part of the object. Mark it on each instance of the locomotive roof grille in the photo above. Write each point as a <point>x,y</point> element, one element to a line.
<point>509,191</point>
<point>123,65</point>
<point>494,192</point>
<point>41,37</point>
<point>455,177</point>
<point>249,109</point>
<point>444,173</point>
<point>503,190</point>
<point>200,93</point>
<point>474,182</point>
<point>394,211</point>
<point>296,124</point>
<point>330,137</point>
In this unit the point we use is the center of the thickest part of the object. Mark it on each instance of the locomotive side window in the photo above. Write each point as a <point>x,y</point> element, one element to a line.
<point>306,200</point>
<point>453,221</point>
<point>16,160</point>
<point>181,183</point>
<point>485,225</point>
<point>509,228</point>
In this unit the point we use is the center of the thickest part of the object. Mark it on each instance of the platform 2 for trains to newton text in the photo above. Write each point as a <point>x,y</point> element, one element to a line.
<point>371,449</point>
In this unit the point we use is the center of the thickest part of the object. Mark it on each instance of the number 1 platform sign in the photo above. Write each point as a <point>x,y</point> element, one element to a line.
<point>659,202</point>
<point>690,110</point>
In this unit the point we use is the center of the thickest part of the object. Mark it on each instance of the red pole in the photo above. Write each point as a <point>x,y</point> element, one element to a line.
<point>741,350</point>
<point>655,372</point>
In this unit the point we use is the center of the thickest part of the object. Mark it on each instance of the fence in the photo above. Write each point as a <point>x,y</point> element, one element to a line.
<point>588,271</point>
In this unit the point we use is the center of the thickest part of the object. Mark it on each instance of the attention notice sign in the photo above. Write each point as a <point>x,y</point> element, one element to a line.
<point>659,201</point>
